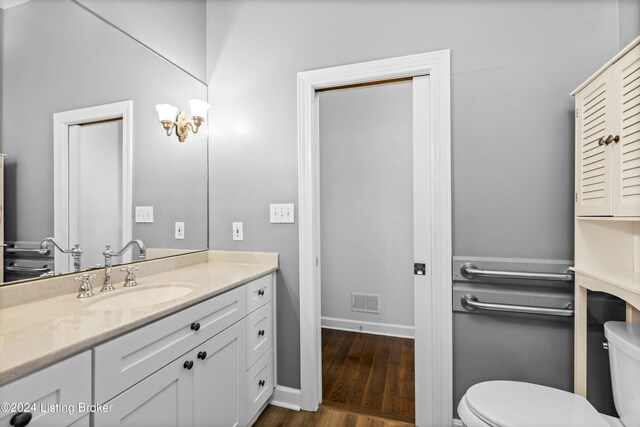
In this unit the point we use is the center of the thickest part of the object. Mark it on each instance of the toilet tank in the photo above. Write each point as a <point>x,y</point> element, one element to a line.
<point>624,358</point>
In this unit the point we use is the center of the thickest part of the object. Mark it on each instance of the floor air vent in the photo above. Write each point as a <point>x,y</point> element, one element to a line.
<point>365,302</point>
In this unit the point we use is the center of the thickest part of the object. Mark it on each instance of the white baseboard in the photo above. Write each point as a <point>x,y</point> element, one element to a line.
<point>286,397</point>
<point>457,423</point>
<point>369,327</point>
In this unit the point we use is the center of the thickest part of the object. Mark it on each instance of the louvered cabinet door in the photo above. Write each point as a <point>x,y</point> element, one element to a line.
<point>626,75</point>
<point>594,122</point>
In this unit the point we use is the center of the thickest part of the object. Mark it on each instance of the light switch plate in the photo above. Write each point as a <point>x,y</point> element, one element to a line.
<point>180,230</point>
<point>237,231</point>
<point>144,214</point>
<point>282,213</point>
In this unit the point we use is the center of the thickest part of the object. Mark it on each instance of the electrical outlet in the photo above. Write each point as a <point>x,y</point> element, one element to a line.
<point>144,214</point>
<point>237,231</point>
<point>180,230</point>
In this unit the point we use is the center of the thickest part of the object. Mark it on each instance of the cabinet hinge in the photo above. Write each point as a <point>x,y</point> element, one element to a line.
<point>576,197</point>
<point>577,114</point>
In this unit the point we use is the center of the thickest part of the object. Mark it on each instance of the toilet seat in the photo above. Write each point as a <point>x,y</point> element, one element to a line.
<point>519,404</point>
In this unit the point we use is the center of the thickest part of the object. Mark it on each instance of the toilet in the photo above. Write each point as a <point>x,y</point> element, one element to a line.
<point>519,404</point>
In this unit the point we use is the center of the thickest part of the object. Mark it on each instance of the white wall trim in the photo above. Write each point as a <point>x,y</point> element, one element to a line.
<point>286,397</point>
<point>61,123</point>
<point>435,403</point>
<point>387,329</point>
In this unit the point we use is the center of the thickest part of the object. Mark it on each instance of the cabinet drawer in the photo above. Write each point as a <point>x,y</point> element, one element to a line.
<point>67,384</point>
<point>259,333</point>
<point>259,383</point>
<point>259,292</point>
<point>124,361</point>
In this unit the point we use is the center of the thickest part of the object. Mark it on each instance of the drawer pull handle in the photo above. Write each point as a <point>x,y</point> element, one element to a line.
<point>188,364</point>
<point>261,292</point>
<point>20,419</point>
<point>261,333</point>
<point>261,383</point>
<point>202,355</point>
<point>195,326</point>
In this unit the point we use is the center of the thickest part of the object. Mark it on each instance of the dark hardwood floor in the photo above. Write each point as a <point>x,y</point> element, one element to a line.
<point>325,417</point>
<point>368,374</point>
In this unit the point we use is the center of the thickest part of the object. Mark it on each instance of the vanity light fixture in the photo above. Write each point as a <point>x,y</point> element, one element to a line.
<point>170,118</point>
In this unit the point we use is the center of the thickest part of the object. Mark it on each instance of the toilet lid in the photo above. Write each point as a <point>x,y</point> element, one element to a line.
<point>518,404</point>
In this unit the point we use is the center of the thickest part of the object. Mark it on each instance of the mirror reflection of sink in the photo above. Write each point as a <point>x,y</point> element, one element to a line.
<point>145,296</point>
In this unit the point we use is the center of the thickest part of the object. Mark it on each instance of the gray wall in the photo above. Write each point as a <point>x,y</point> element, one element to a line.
<point>628,20</point>
<point>513,66</point>
<point>366,199</point>
<point>59,57</point>
<point>176,29</point>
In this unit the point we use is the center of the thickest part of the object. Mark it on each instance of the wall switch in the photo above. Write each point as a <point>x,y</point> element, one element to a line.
<point>180,230</point>
<point>144,214</point>
<point>237,231</point>
<point>281,213</point>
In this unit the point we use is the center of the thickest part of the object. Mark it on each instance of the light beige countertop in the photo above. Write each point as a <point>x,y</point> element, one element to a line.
<point>37,333</point>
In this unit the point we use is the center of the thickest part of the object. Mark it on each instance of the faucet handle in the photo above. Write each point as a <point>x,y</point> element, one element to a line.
<point>86,290</point>
<point>130,280</point>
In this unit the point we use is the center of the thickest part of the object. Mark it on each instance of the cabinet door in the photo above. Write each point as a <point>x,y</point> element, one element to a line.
<point>219,379</point>
<point>594,108</point>
<point>626,74</point>
<point>55,394</point>
<point>162,399</point>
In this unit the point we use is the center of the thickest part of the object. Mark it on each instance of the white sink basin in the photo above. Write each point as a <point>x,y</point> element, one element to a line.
<point>146,296</point>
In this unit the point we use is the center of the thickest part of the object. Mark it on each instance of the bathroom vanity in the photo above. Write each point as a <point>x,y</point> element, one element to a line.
<point>192,344</point>
<point>607,195</point>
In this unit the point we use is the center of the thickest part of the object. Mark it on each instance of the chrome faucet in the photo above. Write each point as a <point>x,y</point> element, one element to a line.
<point>75,252</point>
<point>109,254</point>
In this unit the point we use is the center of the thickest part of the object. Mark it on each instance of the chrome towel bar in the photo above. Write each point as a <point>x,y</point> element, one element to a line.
<point>470,302</point>
<point>14,250</point>
<point>470,271</point>
<point>24,269</point>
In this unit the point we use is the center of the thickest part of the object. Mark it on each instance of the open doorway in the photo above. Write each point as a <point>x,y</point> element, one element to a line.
<point>367,244</point>
<point>432,251</point>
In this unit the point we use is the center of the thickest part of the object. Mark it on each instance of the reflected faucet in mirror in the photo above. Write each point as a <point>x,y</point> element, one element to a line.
<point>75,252</point>
<point>109,254</point>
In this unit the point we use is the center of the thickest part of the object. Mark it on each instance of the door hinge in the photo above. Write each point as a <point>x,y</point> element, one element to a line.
<point>577,114</point>
<point>419,269</point>
<point>576,197</point>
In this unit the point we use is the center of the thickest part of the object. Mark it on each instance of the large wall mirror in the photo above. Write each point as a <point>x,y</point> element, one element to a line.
<point>59,58</point>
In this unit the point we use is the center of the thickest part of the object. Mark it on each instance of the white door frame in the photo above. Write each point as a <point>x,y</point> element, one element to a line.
<point>61,122</point>
<point>433,330</point>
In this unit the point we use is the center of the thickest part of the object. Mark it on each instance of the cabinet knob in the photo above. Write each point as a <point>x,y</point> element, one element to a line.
<point>261,383</point>
<point>188,364</point>
<point>608,140</point>
<point>202,355</point>
<point>195,326</point>
<point>261,332</point>
<point>20,419</point>
<point>261,292</point>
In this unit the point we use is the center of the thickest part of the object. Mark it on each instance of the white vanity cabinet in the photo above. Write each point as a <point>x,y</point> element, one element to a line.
<point>58,395</point>
<point>608,139</point>
<point>191,368</point>
<point>203,387</point>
